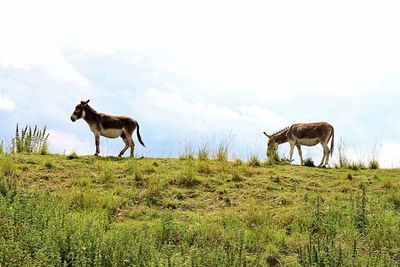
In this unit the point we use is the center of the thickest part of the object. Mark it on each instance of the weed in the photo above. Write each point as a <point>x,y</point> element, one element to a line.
<point>221,153</point>
<point>204,167</point>
<point>188,151</point>
<point>361,213</point>
<point>273,157</point>
<point>342,151</point>
<point>237,175</point>
<point>7,166</point>
<point>135,170</point>
<point>309,162</point>
<point>49,165</point>
<point>30,141</point>
<point>73,155</point>
<point>387,182</point>
<point>107,175</point>
<point>188,177</point>
<point>238,162</point>
<point>203,153</point>
<point>254,161</point>
<point>373,164</point>
<point>2,150</point>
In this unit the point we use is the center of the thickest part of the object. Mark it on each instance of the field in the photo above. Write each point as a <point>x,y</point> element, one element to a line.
<point>86,211</point>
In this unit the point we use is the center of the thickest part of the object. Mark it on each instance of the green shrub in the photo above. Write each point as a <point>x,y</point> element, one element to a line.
<point>7,166</point>
<point>309,162</point>
<point>188,177</point>
<point>202,153</point>
<point>254,161</point>
<point>373,165</point>
<point>73,155</point>
<point>135,170</point>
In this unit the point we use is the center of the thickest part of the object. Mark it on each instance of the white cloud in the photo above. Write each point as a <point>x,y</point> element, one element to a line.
<point>274,50</point>
<point>389,154</point>
<point>67,143</point>
<point>173,110</point>
<point>6,103</point>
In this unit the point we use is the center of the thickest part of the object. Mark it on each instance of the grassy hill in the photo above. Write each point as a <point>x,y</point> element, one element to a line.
<point>87,211</point>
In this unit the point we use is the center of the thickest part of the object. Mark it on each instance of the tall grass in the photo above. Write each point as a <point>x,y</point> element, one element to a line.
<point>222,148</point>
<point>342,148</point>
<point>28,140</point>
<point>7,166</point>
<point>2,149</point>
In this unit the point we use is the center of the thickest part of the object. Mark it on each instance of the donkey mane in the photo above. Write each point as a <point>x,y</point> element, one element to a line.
<point>89,108</point>
<point>280,131</point>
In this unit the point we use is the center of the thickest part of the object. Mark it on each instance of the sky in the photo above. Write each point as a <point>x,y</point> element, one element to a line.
<point>196,73</point>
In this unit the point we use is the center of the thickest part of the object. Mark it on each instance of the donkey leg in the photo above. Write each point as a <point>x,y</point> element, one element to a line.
<point>324,156</point>
<point>97,142</point>
<point>300,154</point>
<point>132,145</point>
<point>124,149</point>
<point>327,152</point>
<point>291,153</point>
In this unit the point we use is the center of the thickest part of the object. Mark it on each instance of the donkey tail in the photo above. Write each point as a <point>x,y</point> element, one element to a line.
<point>138,135</point>
<point>332,141</point>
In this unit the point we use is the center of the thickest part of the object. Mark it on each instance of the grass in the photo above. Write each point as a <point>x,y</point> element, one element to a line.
<point>189,212</point>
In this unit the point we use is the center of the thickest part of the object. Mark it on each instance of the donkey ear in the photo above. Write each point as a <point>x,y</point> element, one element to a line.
<point>85,102</point>
<point>267,135</point>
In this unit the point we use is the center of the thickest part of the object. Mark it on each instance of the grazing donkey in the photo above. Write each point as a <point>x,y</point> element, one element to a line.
<point>108,126</point>
<point>308,134</point>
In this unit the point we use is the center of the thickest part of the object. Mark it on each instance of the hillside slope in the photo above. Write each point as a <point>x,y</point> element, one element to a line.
<point>78,211</point>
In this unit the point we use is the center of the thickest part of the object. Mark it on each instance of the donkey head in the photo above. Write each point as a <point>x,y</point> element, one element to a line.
<point>79,111</point>
<point>272,143</point>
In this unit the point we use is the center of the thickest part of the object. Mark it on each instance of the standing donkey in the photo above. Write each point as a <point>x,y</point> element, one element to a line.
<point>308,134</point>
<point>108,126</point>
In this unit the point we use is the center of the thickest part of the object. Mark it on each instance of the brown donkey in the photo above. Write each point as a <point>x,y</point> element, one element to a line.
<point>307,134</point>
<point>108,126</point>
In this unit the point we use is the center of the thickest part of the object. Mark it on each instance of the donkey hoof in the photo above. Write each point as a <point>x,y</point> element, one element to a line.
<point>96,154</point>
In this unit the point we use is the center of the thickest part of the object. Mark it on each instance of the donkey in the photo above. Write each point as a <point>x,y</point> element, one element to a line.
<point>108,126</point>
<point>308,134</point>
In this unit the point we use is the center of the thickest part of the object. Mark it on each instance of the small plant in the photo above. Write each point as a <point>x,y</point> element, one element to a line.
<point>188,177</point>
<point>44,150</point>
<point>237,175</point>
<point>387,182</point>
<point>188,151</point>
<point>221,153</point>
<point>361,213</point>
<point>342,151</point>
<point>202,153</point>
<point>356,166</point>
<point>273,157</point>
<point>373,164</point>
<point>238,162</point>
<point>8,186</point>
<point>49,165</point>
<point>27,140</point>
<point>204,167</point>
<point>135,170</point>
<point>7,166</point>
<point>73,155</point>
<point>107,175</point>
<point>309,162</point>
<point>254,161</point>
<point>2,147</point>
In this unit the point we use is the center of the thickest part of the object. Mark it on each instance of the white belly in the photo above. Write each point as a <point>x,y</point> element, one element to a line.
<point>111,133</point>
<point>308,142</point>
